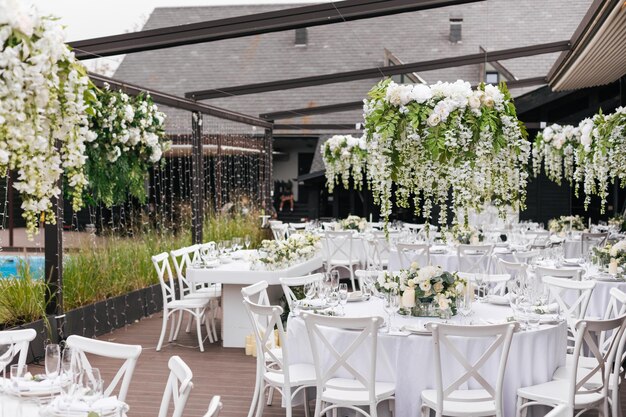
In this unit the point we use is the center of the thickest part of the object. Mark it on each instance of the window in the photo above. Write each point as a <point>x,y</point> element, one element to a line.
<point>492,77</point>
<point>301,37</point>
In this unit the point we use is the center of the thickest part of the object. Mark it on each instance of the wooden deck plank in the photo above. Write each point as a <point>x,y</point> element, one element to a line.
<point>217,371</point>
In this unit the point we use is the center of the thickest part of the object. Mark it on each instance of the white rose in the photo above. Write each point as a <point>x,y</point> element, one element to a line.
<point>4,157</point>
<point>406,94</point>
<point>421,93</point>
<point>156,154</point>
<point>434,119</point>
<point>393,94</point>
<point>438,287</point>
<point>425,286</point>
<point>474,101</point>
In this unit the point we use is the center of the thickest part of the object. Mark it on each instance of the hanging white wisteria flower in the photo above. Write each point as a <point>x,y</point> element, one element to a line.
<point>344,156</point>
<point>556,147</point>
<point>433,140</point>
<point>126,138</point>
<point>42,106</point>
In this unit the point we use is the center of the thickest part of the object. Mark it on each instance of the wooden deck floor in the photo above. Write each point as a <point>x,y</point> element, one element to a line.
<point>217,371</point>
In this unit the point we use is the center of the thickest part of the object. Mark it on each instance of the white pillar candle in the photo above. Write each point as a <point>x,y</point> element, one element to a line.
<point>613,267</point>
<point>408,298</point>
<point>474,240</point>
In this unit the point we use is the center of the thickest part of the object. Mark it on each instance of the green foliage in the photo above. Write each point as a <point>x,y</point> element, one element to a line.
<point>21,299</point>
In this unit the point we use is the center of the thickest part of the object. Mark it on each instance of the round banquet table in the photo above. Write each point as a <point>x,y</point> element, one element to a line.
<point>408,360</point>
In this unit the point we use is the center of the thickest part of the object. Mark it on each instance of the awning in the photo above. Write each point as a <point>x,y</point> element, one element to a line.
<point>598,53</point>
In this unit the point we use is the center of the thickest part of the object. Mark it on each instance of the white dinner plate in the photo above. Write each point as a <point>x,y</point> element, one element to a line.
<point>572,261</point>
<point>355,296</point>
<point>500,300</point>
<point>416,329</point>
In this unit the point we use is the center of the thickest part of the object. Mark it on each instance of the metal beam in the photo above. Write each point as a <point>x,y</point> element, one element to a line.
<point>377,72</point>
<point>355,105</point>
<point>179,102</point>
<point>318,126</point>
<point>254,24</point>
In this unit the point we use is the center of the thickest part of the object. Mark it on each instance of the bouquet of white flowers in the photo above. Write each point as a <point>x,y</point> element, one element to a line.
<point>342,156</point>
<point>353,223</point>
<point>566,224</point>
<point>281,254</point>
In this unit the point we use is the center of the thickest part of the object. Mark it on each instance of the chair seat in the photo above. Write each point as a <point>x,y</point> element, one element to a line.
<point>557,392</point>
<point>343,391</point>
<point>188,303</point>
<point>462,402</point>
<point>199,296</point>
<point>212,292</point>
<point>299,374</point>
<point>583,361</point>
<point>595,381</point>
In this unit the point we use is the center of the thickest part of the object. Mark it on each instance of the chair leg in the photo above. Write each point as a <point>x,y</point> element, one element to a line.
<point>181,313</point>
<point>518,407</point>
<point>214,307</point>
<point>163,330</point>
<point>255,395</point>
<point>199,329</point>
<point>270,395</point>
<point>307,412</point>
<point>373,410</point>
<point>425,411</point>
<point>205,319</point>
<point>188,328</point>
<point>261,401</point>
<point>318,406</point>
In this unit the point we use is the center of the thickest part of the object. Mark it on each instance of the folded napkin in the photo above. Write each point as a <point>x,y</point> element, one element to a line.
<point>355,295</point>
<point>32,385</point>
<point>556,239</point>
<point>78,406</point>
<point>547,309</point>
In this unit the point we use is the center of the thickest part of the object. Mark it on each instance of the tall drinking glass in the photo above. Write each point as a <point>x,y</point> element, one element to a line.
<point>392,305</point>
<point>53,360</point>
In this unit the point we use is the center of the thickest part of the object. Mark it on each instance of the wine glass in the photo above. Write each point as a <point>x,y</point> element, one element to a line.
<point>334,279</point>
<point>220,247</point>
<point>247,241</point>
<point>53,360</point>
<point>310,290</point>
<point>237,243</point>
<point>480,281</point>
<point>465,302</point>
<point>333,299</point>
<point>227,246</point>
<point>392,305</point>
<point>91,382</point>
<point>326,286</point>
<point>343,297</point>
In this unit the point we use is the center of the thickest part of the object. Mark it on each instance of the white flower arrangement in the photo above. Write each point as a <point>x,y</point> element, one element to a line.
<point>42,106</point>
<point>281,254</point>
<point>428,140</point>
<point>126,138</point>
<point>566,224</point>
<point>353,223</point>
<point>343,157</point>
<point>556,147</point>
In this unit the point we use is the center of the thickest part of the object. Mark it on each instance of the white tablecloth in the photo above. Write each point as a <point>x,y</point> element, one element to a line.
<point>572,248</point>
<point>23,407</point>
<point>409,360</point>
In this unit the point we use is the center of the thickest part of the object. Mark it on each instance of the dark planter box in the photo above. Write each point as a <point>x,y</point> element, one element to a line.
<point>96,319</point>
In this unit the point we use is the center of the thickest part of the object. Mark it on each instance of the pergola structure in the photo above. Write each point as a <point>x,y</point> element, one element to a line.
<point>573,70</point>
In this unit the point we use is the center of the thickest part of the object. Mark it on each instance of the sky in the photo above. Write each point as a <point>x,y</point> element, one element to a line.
<point>90,18</point>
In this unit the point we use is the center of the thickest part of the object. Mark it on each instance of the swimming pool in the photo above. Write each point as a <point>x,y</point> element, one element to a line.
<point>9,265</point>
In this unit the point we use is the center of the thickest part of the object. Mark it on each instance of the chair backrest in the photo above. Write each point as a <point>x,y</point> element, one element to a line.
<point>182,259</point>
<point>256,293</point>
<point>161,263</point>
<point>338,245</point>
<point>377,252</point>
<point>413,252</point>
<point>215,406</point>
<point>297,226</point>
<point>474,258</point>
<point>572,308</point>
<point>329,226</point>
<point>287,283</point>
<point>515,269</point>
<point>280,231</point>
<point>129,353</point>
<point>447,335</point>
<point>18,341</point>
<point>525,256</point>
<point>568,273</point>
<point>587,332</point>
<point>274,222</point>
<point>178,387</point>
<point>365,331</point>
<point>414,227</point>
<point>264,318</point>
<point>591,240</point>
<point>497,282</point>
<point>616,307</point>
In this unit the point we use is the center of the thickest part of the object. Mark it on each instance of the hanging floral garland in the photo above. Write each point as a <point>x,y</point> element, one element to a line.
<point>556,147</point>
<point>344,156</point>
<point>430,140</point>
<point>42,104</point>
<point>126,139</point>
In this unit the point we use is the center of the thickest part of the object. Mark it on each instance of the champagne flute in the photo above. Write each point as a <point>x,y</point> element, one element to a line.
<point>465,307</point>
<point>91,381</point>
<point>53,360</point>
<point>334,278</point>
<point>309,290</point>
<point>247,241</point>
<point>343,297</point>
<point>392,305</point>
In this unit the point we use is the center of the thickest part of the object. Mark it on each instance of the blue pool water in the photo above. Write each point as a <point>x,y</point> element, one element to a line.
<point>9,265</point>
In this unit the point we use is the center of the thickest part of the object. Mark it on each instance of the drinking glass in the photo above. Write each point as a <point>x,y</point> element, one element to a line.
<point>237,243</point>
<point>334,278</point>
<point>53,360</point>
<point>220,247</point>
<point>91,382</point>
<point>247,241</point>
<point>392,305</point>
<point>480,281</point>
<point>227,246</point>
<point>367,291</point>
<point>310,290</point>
<point>333,299</point>
<point>18,372</point>
<point>465,304</point>
<point>343,297</point>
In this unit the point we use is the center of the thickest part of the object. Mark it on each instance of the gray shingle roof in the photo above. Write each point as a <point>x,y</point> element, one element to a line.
<point>416,36</point>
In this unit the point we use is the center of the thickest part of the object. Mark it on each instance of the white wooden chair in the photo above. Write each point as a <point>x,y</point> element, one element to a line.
<point>287,283</point>
<point>128,353</point>
<point>340,253</point>
<point>615,308</point>
<point>574,391</point>
<point>377,250</point>
<point>561,411</point>
<point>280,231</point>
<point>474,258</point>
<point>514,269</point>
<point>196,307</point>
<point>297,227</point>
<point>413,252</point>
<point>360,388</point>
<point>182,259</point>
<point>495,282</point>
<point>275,370</point>
<point>453,400</point>
<point>573,299</point>
<point>591,240</point>
<point>256,293</point>
<point>540,239</point>
<point>178,387</point>
<point>526,257</point>
<point>215,406</point>
<point>19,341</point>
<point>414,227</point>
